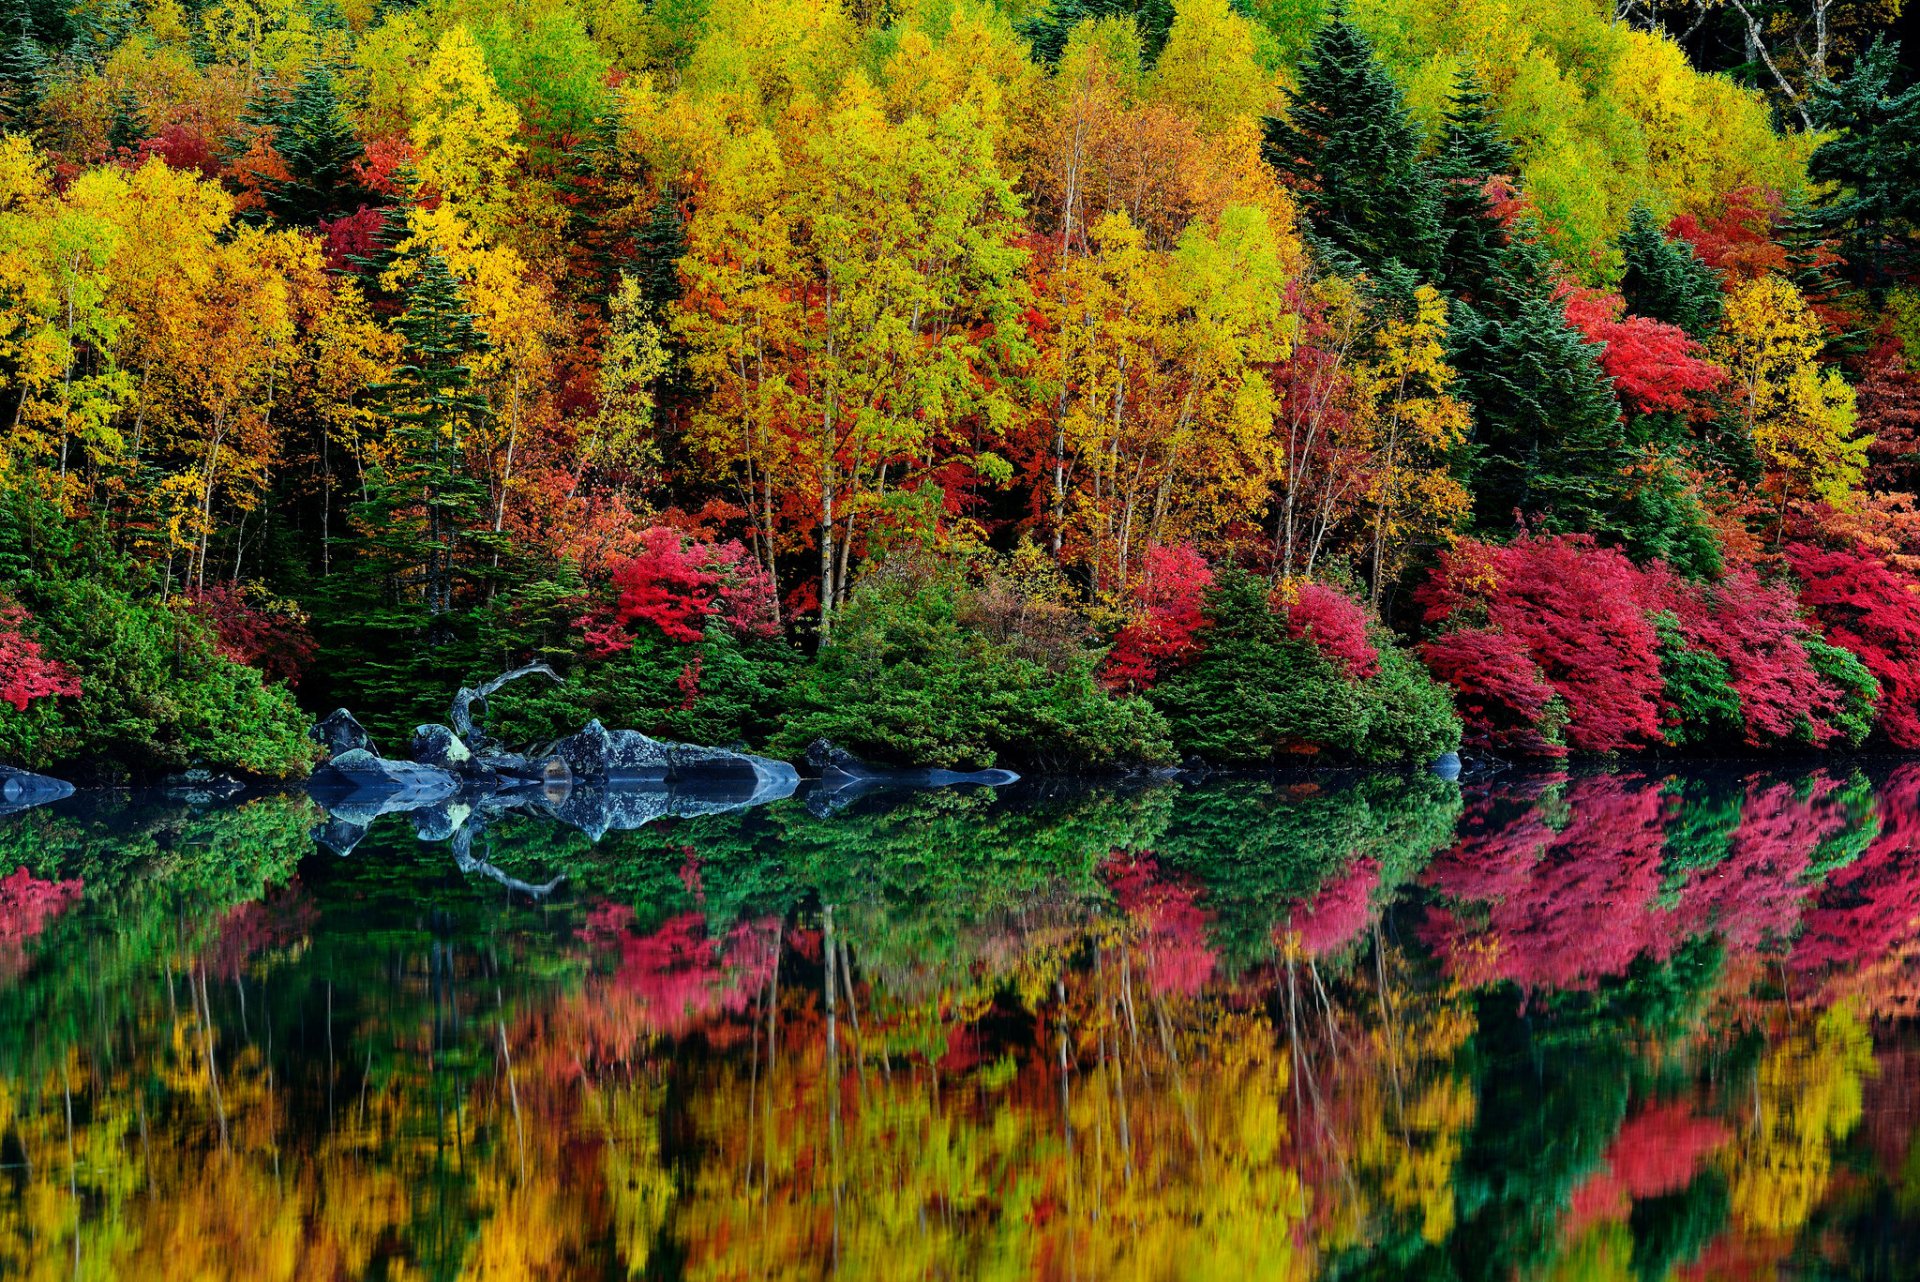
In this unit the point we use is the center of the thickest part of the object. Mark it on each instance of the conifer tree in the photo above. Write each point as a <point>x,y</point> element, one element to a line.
<point>1872,157</point>
<point>1351,151</point>
<point>424,506</point>
<point>1472,150</point>
<point>23,71</point>
<point>1047,31</point>
<point>1665,280</point>
<point>317,143</point>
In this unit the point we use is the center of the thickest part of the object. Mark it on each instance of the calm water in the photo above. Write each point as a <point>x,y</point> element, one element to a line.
<point>1610,1026</point>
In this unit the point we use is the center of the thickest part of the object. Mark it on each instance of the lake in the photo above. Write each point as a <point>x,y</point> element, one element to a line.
<point>1596,1025</point>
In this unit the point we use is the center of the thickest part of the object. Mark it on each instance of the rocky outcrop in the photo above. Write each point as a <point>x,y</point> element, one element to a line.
<point>441,748</point>
<point>339,732</point>
<point>840,777</point>
<point>23,790</point>
<point>599,755</point>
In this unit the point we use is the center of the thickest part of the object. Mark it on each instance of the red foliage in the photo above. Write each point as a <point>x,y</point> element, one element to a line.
<point>1888,396</point>
<point>351,236</point>
<point>680,975</point>
<point>25,673</point>
<point>1754,628</point>
<point>1549,909</point>
<point>379,169</point>
<point>274,640</point>
<point>1172,924</point>
<point>259,926</point>
<point>1338,912</point>
<point>1654,366</point>
<point>1657,1152</point>
<point>181,147</point>
<point>1337,626</point>
<point>1873,610</point>
<point>1168,598</point>
<point>1739,239</point>
<point>1575,609</point>
<point>27,904</point>
<point>1500,691</point>
<point>1867,910</point>
<point>676,584</point>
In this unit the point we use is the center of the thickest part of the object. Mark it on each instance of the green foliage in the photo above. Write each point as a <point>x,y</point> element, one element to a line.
<point>1665,280</point>
<point>1255,695</point>
<point>1704,710</point>
<point>1860,692</point>
<point>155,692</point>
<point>1870,156</point>
<point>317,142</point>
<point>907,680</point>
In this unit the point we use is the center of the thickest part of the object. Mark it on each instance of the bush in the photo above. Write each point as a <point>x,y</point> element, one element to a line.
<point>1872,610</point>
<point>1702,708</point>
<point>907,680</point>
<point>1840,669</point>
<point>1256,693</point>
<point>1502,695</point>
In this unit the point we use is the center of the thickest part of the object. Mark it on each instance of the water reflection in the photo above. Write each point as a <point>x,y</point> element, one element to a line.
<point>1625,1025</point>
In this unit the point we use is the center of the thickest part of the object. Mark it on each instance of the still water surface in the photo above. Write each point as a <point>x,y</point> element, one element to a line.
<point>1602,1026</point>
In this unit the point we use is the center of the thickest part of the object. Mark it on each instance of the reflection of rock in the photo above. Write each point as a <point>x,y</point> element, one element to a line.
<point>339,732</point>
<point>359,779</point>
<point>1447,766</point>
<point>23,790</point>
<point>599,809</point>
<point>841,777</point>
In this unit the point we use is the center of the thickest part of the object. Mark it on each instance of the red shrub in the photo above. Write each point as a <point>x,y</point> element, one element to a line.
<point>273,639</point>
<point>181,147</point>
<point>1336,625</point>
<point>26,674</point>
<point>676,584</point>
<point>1575,608</point>
<point>1654,366</point>
<point>1500,691</point>
<point>1338,912</point>
<point>1168,602</point>
<point>1874,611</point>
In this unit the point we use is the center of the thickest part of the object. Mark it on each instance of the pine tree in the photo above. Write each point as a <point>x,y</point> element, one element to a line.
<point>1351,152</point>
<point>662,243</point>
<point>1665,280</point>
<point>23,71</point>
<point>1872,157</point>
<point>125,131</point>
<point>1818,271</point>
<point>1472,150</point>
<point>424,506</point>
<point>317,143</point>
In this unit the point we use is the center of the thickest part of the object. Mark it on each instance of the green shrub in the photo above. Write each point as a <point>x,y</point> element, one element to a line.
<point>1859,691</point>
<point>1255,695</point>
<point>907,680</point>
<point>1703,708</point>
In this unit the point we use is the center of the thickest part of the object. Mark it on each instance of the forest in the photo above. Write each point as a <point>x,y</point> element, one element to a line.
<point>1068,384</point>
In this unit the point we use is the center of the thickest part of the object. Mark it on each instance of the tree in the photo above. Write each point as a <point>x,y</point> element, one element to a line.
<point>1665,280</point>
<point>23,72</point>
<point>317,144</point>
<point>1351,151</point>
<point>1472,153</point>
<point>1872,158</point>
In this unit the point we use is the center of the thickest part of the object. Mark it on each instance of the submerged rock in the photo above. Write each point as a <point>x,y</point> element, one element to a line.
<point>340,732</point>
<point>1447,766</point>
<point>23,790</point>
<point>597,754</point>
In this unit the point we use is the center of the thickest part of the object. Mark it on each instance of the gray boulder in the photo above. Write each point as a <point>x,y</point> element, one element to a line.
<point>1447,766</point>
<point>597,754</point>
<point>441,748</point>
<point>339,732</point>
<point>23,790</point>
<point>359,779</point>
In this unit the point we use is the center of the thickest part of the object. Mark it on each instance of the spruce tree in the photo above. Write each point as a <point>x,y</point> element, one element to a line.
<point>317,143</point>
<point>1351,152</point>
<point>1665,280</point>
<point>1472,150</point>
<point>125,131</point>
<point>23,71</point>
<point>1872,157</point>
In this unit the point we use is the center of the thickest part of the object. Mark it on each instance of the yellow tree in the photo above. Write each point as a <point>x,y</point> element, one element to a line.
<point>1800,416</point>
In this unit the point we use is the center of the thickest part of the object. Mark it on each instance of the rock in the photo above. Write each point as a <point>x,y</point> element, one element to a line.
<point>596,752</point>
<point>202,787</point>
<point>23,790</point>
<point>513,770</point>
<point>340,835</point>
<point>841,777</point>
<point>441,748</point>
<point>338,732</point>
<point>360,781</point>
<point>1447,766</point>
<point>598,809</point>
<point>824,755</point>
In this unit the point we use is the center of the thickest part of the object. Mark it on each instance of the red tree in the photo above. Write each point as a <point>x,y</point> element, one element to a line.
<point>1337,627</point>
<point>25,673</point>
<point>1168,612</point>
<point>677,583</point>
<point>1873,610</point>
<point>1888,396</point>
<point>274,640</point>
<point>1502,695</point>
<point>1654,366</point>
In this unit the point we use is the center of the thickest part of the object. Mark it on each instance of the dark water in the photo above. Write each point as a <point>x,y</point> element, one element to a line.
<point>1609,1027</point>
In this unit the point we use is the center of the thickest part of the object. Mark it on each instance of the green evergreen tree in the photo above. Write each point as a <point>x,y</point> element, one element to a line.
<point>1351,151</point>
<point>1818,270</point>
<point>1665,280</point>
<point>1047,32</point>
<point>23,72</point>
<point>1472,150</point>
<point>317,143</point>
<point>1871,156</point>
<point>126,130</point>
<point>662,243</point>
